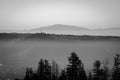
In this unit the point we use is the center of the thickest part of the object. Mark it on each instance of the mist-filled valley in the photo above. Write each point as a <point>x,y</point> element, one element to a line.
<point>16,54</point>
<point>59,39</point>
<point>29,52</point>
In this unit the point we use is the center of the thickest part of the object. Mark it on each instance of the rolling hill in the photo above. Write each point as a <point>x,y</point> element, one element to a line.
<point>69,30</point>
<point>75,30</point>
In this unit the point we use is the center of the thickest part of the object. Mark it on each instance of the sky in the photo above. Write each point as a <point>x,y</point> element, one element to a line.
<point>29,14</point>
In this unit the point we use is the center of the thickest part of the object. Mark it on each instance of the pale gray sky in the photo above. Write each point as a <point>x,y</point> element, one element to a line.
<point>28,14</point>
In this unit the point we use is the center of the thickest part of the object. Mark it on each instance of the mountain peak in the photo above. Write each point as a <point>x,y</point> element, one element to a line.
<point>61,27</point>
<point>75,30</point>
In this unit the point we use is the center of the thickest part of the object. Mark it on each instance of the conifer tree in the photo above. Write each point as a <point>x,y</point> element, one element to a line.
<point>90,76</point>
<point>40,70</point>
<point>63,75</point>
<point>98,72</point>
<point>75,69</point>
<point>47,70</point>
<point>29,74</point>
<point>44,70</point>
<point>55,68</point>
<point>116,68</point>
<point>106,69</point>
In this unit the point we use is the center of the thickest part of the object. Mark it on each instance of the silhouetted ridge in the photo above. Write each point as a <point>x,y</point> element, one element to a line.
<point>60,27</point>
<point>44,36</point>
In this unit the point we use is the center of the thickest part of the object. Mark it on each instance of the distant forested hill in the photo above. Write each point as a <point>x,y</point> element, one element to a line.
<point>44,36</point>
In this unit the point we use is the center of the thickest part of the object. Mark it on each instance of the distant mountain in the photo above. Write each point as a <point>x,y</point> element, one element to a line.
<point>59,27</point>
<point>75,30</point>
<point>72,30</point>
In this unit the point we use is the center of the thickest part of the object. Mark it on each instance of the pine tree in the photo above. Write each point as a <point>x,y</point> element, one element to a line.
<point>35,76</point>
<point>82,73</point>
<point>116,68</point>
<point>47,70</point>
<point>98,73</point>
<point>96,70</point>
<point>105,73</point>
<point>75,69</point>
<point>29,74</point>
<point>106,70</point>
<point>40,70</point>
<point>90,76</point>
<point>63,75</point>
<point>44,70</point>
<point>55,68</point>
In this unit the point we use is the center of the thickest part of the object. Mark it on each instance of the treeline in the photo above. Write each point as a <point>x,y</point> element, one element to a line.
<point>74,70</point>
<point>44,36</point>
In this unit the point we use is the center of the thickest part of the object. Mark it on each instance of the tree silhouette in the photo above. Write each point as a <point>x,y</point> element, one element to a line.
<point>116,68</point>
<point>96,70</point>
<point>29,74</point>
<point>40,70</point>
<point>75,69</point>
<point>106,70</point>
<point>99,73</point>
<point>90,77</point>
<point>55,69</point>
<point>44,70</point>
<point>63,75</point>
<point>47,70</point>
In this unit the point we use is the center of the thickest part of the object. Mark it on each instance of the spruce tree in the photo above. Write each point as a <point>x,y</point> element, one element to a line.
<point>98,72</point>
<point>106,69</point>
<point>63,75</point>
<point>55,69</point>
<point>90,76</point>
<point>29,74</point>
<point>40,70</point>
<point>116,68</point>
<point>47,70</point>
<point>44,70</point>
<point>75,69</point>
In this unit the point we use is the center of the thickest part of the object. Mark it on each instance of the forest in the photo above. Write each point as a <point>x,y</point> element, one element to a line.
<point>46,36</point>
<point>74,70</point>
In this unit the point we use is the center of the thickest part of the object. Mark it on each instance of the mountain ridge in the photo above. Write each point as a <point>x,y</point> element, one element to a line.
<point>75,30</point>
<point>72,30</point>
<point>69,26</point>
<point>61,27</point>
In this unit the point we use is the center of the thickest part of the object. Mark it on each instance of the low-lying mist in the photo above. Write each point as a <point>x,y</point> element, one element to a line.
<point>19,53</point>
